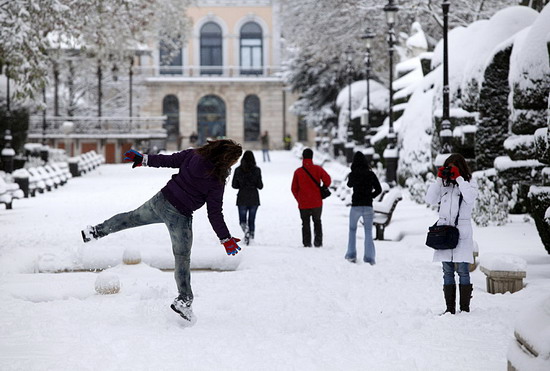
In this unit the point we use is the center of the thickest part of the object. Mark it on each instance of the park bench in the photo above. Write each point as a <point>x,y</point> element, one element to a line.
<point>9,191</point>
<point>383,211</point>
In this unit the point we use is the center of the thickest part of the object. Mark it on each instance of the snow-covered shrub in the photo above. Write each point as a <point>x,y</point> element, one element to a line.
<point>520,147</point>
<point>542,145</point>
<point>417,188</point>
<point>491,206</point>
<point>493,110</point>
<point>520,174</point>
<point>540,203</point>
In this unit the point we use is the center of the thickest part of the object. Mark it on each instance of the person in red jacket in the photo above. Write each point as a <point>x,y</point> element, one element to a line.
<point>306,191</point>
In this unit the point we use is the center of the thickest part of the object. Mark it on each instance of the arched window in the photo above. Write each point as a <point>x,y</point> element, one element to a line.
<point>170,60</point>
<point>210,118</point>
<point>171,109</point>
<point>251,49</point>
<point>251,118</point>
<point>211,49</point>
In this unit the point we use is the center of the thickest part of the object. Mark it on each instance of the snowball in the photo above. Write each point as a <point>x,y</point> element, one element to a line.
<point>131,256</point>
<point>107,283</point>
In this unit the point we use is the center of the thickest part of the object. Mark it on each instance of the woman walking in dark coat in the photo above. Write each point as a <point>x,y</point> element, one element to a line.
<point>365,186</point>
<point>248,179</point>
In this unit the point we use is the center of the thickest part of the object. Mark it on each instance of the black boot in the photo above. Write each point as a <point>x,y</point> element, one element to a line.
<point>465,296</point>
<point>450,298</point>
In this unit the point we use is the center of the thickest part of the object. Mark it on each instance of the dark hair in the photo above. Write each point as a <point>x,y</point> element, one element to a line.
<point>460,162</point>
<point>359,162</point>
<point>222,154</point>
<point>248,162</point>
<point>307,153</point>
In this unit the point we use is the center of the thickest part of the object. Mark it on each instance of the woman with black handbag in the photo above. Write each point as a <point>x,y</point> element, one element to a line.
<point>455,194</point>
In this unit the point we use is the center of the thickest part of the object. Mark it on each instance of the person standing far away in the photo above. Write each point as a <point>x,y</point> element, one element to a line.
<point>265,146</point>
<point>248,180</point>
<point>200,179</point>
<point>365,187</point>
<point>455,195</point>
<point>306,191</point>
<point>288,142</point>
<point>193,139</point>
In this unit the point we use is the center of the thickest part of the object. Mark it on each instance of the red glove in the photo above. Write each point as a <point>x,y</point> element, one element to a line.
<point>231,247</point>
<point>440,172</point>
<point>135,157</point>
<point>455,173</point>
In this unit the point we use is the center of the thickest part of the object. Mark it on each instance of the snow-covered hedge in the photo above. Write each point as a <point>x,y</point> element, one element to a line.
<point>492,203</point>
<point>542,145</point>
<point>520,147</point>
<point>493,110</point>
<point>540,203</point>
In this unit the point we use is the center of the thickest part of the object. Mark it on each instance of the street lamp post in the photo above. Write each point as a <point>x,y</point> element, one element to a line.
<point>445,134</point>
<point>369,151</point>
<point>391,155</point>
<point>349,147</point>
<point>7,153</point>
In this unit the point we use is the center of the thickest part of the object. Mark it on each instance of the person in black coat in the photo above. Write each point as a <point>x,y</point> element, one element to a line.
<point>248,179</point>
<point>365,186</point>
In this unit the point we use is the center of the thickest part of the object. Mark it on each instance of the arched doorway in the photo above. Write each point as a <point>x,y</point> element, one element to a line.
<point>210,118</point>
<point>170,108</point>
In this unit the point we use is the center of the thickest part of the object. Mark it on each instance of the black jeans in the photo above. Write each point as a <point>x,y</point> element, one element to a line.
<point>306,215</point>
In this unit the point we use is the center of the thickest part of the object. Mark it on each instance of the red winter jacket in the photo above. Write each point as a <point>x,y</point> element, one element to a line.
<point>305,191</point>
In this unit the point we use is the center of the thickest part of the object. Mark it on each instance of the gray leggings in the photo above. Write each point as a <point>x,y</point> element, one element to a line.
<point>159,210</point>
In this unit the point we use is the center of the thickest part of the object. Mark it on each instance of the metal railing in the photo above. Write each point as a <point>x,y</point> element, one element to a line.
<point>208,71</point>
<point>69,125</point>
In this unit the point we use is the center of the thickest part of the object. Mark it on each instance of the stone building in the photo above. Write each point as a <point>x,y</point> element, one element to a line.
<point>225,82</point>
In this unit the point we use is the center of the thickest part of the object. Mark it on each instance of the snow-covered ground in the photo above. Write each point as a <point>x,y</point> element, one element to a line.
<point>275,306</point>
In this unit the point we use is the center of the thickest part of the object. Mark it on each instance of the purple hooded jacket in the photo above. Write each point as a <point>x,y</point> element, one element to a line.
<point>193,186</point>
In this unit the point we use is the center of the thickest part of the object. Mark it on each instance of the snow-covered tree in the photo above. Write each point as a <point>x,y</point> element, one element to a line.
<point>106,29</point>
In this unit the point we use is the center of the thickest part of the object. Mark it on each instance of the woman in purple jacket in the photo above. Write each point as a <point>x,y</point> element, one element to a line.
<point>201,179</point>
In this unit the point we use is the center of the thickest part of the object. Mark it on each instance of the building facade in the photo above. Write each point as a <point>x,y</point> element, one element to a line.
<point>225,82</point>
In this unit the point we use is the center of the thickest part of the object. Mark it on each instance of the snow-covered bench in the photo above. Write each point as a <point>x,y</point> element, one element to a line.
<point>9,191</point>
<point>504,273</point>
<point>530,350</point>
<point>383,211</point>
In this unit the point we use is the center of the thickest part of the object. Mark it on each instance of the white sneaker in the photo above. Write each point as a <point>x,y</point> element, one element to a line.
<point>89,234</point>
<point>183,308</point>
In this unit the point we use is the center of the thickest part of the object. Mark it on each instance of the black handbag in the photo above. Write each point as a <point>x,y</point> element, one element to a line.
<point>444,237</point>
<point>325,192</point>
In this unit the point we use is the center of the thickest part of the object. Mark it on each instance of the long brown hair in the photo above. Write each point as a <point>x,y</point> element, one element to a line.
<point>460,162</point>
<point>222,153</point>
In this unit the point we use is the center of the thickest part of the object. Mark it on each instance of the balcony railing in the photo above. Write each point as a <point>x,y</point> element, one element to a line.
<point>208,71</point>
<point>83,125</point>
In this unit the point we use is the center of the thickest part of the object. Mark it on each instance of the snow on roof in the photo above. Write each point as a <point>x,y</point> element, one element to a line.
<point>529,59</point>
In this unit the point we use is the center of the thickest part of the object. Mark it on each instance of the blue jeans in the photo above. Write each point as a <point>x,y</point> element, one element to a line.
<point>251,220</point>
<point>463,270</point>
<point>159,210</point>
<point>355,213</point>
<point>265,153</point>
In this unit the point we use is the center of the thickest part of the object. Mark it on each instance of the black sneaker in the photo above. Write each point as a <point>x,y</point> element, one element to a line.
<point>89,234</point>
